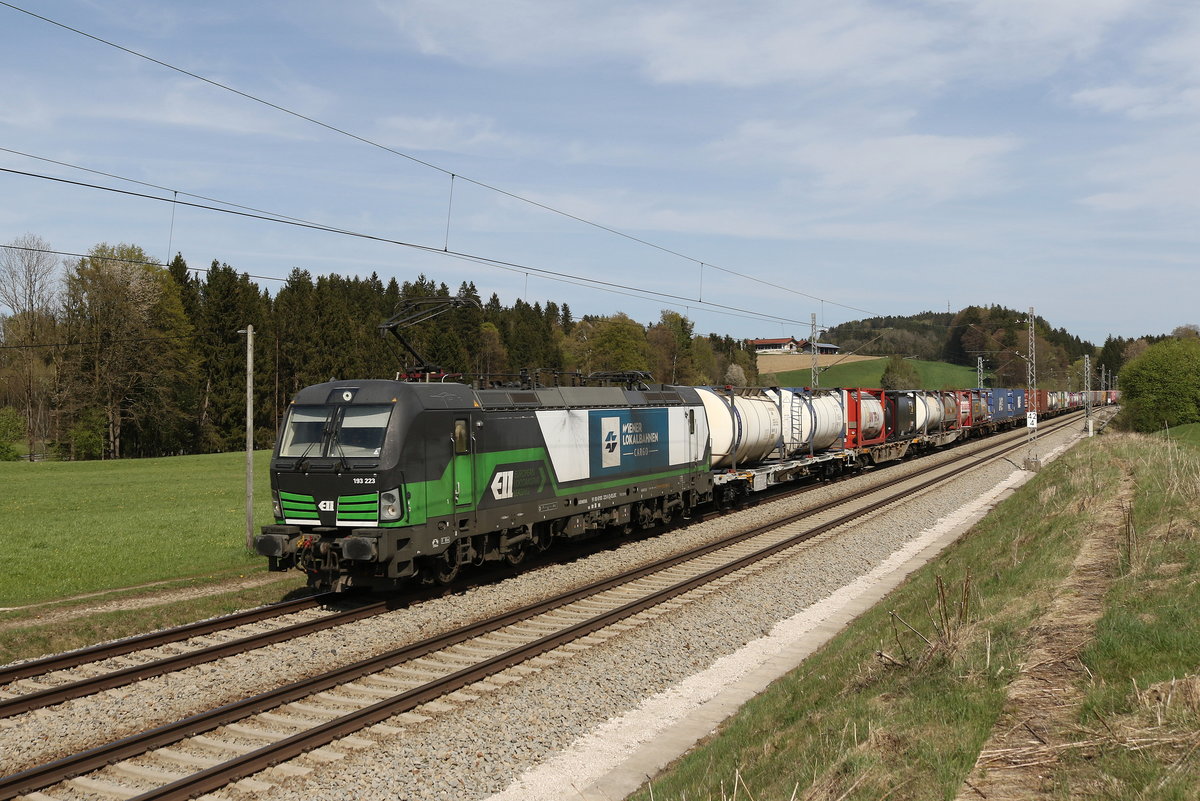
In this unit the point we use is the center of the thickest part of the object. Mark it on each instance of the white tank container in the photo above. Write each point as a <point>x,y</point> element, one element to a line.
<point>870,424</point>
<point>810,420</point>
<point>949,410</point>
<point>929,413</point>
<point>747,433</point>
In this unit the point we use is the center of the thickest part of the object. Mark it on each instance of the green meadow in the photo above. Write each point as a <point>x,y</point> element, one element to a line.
<point>934,375</point>
<point>73,528</point>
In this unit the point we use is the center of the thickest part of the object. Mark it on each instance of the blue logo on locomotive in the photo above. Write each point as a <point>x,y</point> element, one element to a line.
<point>628,440</point>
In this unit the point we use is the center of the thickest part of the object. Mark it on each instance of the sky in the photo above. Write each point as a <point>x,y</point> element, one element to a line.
<point>747,164</point>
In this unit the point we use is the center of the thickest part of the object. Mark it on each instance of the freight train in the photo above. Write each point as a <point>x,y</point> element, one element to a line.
<point>375,483</point>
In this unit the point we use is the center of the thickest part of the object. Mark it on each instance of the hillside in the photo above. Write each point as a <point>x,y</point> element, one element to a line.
<point>997,334</point>
<point>867,373</point>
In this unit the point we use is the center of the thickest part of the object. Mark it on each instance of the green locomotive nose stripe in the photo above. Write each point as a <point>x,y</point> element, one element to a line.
<point>302,507</point>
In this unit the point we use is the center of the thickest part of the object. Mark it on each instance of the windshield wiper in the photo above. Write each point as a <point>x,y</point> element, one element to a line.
<point>336,441</point>
<point>300,463</point>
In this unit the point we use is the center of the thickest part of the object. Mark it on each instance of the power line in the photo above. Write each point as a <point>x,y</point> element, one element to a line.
<point>285,280</point>
<point>452,175</point>
<point>126,261</point>
<point>583,280</point>
<point>147,184</point>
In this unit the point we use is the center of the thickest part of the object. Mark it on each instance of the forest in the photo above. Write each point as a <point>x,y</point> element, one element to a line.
<point>113,355</point>
<point>999,336</point>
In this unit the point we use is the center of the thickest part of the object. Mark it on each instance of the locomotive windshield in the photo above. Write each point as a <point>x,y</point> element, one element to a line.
<point>341,431</point>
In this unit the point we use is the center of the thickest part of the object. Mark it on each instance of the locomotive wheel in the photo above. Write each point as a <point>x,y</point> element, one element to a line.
<point>515,556</point>
<point>438,570</point>
<point>445,572</point>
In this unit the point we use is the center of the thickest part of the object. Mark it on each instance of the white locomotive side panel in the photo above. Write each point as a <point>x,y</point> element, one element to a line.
<point>593,443</point>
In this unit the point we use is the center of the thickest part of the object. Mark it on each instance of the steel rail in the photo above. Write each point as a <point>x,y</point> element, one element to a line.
<point>42,776</point>
<point>95,653</point>
<point>120,678</point>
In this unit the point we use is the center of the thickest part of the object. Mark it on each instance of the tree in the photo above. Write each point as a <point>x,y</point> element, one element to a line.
<point>28,288</point>
<point>670,344</point>
<point>1161,387</point>
<point>1189,331</point>
<point>12,428</point>
<point>227,302</point>
<point>1112,355</point>
<point>617,343</point>
<point>735,375</point>
<point>900,374</point>
<point>493,358</point>
<point>131,348</point>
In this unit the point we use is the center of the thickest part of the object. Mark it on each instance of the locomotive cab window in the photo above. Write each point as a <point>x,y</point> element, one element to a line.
<point>362,430</point>
<point>303,431</point>
<point>462,437</point>
<point>345,431</point>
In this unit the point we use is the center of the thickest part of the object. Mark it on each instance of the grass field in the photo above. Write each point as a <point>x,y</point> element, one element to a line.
<point>71,528</point>
<point>1189,434</point>
<point>850,724</point>
<point>934,375</point>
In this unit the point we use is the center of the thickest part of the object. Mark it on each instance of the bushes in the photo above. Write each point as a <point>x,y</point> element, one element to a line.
<point>1161,387</point>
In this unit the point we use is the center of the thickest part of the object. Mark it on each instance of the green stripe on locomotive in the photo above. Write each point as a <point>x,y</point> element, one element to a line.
<point>297,506</point>
<point>435,498</point>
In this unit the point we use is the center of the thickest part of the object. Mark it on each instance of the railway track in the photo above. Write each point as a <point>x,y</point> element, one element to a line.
<point>96,653</point>
<point>213,749</point>
<point>40,697</point>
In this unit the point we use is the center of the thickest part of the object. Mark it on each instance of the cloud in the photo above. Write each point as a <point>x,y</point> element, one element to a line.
<point>464,133</point>
<point>1141,102</point>
<point>875,167</point>
<point>1159,173</point>
<point>788,42</point>
<point>807,43</point>
<point>1162,76</point>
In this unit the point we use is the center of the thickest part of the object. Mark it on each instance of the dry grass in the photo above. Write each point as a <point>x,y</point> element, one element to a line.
<point>900,704</point>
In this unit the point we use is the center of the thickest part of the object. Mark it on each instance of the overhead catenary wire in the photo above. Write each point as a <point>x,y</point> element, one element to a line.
<point>428,164</point>
<point>581,280</point>
<point>516,270</point>
<point>127,261</point>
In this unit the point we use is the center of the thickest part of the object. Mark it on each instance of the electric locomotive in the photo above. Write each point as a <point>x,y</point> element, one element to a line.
<point>376,482</point>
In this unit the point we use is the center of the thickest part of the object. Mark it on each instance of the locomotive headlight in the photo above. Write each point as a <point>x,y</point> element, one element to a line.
<point>276,507</point>
<point>390,505</point>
